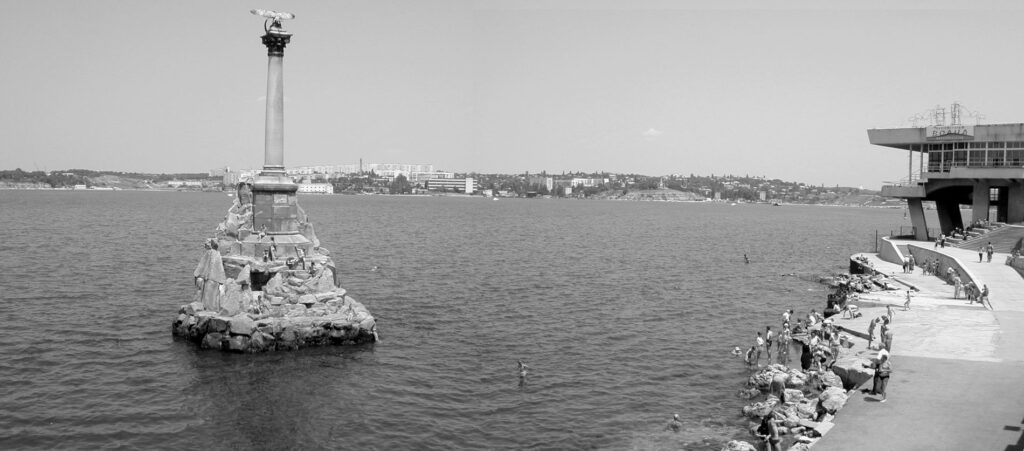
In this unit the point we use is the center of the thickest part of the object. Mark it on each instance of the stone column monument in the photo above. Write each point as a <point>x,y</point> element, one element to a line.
<point>276,213</point>
<point>264,283</point>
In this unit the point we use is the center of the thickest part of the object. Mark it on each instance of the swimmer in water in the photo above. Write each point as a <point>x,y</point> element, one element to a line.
<point>736,351</point>
<point>745,259</point>
<point>522,368</point>
<point>675,425</point>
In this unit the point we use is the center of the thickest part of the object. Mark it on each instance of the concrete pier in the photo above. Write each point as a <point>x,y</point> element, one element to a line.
<point>956,382</point>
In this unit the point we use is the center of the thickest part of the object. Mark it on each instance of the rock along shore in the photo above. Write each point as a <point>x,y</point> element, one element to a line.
<point>806,401</point>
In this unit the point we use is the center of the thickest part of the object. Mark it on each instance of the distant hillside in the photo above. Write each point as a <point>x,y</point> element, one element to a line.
<point>651,194</point>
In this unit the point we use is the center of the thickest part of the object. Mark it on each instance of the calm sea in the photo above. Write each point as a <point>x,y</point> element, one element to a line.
<point>625,311</point>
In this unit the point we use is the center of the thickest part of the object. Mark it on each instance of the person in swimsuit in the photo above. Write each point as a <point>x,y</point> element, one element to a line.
<point>675,424</point>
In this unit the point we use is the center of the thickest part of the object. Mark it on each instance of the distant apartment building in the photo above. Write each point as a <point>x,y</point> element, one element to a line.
<point>231,178</point>
<point>381,169</point>
<point>588,182</point>
<point>541,180</point>
<point>466,185</point>
<point>316,188</point>
<point>184,183</point>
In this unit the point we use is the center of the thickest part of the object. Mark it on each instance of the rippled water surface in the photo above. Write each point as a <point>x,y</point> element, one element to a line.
<point>625,311</point>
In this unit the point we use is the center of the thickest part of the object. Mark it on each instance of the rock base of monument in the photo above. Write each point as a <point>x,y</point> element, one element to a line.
<point>278,326</point>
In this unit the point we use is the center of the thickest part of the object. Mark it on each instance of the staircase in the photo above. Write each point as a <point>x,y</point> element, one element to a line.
<point>1003,238</point>
<point>972,236</point>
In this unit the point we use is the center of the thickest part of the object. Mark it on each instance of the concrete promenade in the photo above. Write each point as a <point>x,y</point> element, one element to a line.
<point>958,369</point>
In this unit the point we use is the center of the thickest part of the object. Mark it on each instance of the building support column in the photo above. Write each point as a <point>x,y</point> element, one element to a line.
<point>949,215</point>
<point>1015,203</point>
<point>916,207</point>
<point>979,201</point>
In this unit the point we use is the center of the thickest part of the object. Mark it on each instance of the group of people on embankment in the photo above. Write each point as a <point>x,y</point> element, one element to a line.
<point>817,336</point>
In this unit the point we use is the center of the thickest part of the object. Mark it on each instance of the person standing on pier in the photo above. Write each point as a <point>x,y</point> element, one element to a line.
<point>887,334</point>
<point>990,250</point>
<point>769,337</point>
<point>883,368</point>
<point>981,253</point>
<point>871,330</point>
<point>913,264</point>
<point>957,285</point>
<point>983,297</point>
<point>906,305</point>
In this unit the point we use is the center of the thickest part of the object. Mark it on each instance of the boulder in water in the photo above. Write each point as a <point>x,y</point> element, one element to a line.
<point>748,393</point>
<point>217,324</point>
<point>238,343</point>
<point>738,445</point>
<point>760,409</point>
<point>192,308</point>
<point>241,324</point>
<point>212,341</point>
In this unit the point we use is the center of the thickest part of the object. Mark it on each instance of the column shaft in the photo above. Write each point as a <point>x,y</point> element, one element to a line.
<point>274,140</point>
<point>916,208</point>
<point>979,201</point>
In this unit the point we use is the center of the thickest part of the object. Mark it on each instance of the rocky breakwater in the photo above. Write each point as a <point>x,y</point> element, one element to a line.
<point>286,298</point>
<point>803,404</point>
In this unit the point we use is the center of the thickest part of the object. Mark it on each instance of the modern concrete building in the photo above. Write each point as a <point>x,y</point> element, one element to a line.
<point>465,185</point>
<point>977,165</point>
<point>316,188</point>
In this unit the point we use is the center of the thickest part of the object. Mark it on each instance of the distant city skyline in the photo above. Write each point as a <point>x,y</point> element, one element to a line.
<point>786,89</point>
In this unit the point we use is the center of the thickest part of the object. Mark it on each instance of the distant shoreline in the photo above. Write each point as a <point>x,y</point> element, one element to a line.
<point>706,201</point>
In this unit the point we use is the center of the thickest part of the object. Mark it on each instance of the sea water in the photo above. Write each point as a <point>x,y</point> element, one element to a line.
<point>625,312</point>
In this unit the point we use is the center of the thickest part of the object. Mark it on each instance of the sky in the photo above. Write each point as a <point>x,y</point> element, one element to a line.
<point>783,89</point>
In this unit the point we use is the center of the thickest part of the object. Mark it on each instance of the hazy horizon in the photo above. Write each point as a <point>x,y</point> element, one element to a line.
<point>784,90</point>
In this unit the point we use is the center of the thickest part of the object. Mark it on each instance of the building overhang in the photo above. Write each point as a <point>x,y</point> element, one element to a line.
<point>904,138</point>
<point>904,192</point>
<point>976,174</point>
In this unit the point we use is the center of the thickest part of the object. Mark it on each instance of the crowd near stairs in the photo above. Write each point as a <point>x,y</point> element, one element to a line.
<point>1004,237</point>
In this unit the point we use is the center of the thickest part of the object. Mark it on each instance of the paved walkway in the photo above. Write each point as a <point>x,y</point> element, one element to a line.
<point>957,379</point>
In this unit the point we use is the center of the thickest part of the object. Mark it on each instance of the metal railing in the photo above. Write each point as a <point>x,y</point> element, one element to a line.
<point>912,180</point>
